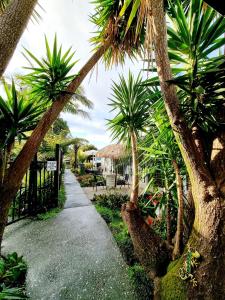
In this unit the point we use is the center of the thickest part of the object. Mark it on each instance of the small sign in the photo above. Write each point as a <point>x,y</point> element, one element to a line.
<point>111,180</point>
<point>51,165</point>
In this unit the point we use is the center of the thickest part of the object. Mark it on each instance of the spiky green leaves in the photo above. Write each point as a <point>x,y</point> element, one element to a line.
<point>131,102</point>
<point>118,21</point>
<point>18,114</point>
<point>195,40</point>
<point>50,76</point>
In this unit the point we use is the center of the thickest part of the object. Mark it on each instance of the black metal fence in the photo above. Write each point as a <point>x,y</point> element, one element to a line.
<point>39,189</point>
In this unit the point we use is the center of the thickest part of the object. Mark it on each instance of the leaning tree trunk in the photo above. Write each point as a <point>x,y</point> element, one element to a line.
<point>207,235</point>
<point>179,234</point>
<point>12,24</point>
<point>19,167</point>
<point>135,178</point>
<point>149,247</point>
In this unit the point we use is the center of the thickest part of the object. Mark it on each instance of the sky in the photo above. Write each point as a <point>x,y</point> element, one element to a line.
<point>73,27</point>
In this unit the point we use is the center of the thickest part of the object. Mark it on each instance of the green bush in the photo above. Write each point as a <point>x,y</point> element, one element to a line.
<point>112,201</point>
<point>11,293</point>
<point>125,244</point>
<point>86,180</point>
<point>143,285</point>
<point>105,212</point>
<point>12,277</point>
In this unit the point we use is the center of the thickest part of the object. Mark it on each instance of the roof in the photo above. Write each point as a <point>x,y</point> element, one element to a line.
<point>114,151</point>
<point>90,152</point>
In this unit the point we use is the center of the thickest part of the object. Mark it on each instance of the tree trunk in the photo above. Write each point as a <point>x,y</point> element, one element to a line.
<point>12,24</point>
<point>168,219</point>
<point>135,178</point>
<point>19,167</point>
<point>189,214</point>
<point>207,235</point>
<point>149,248</point>
<point>179,234</point>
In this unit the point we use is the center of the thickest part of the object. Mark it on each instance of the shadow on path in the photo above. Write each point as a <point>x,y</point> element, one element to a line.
<point>71,256</point>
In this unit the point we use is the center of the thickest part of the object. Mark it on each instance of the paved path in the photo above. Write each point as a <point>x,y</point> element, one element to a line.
<point>71,256</point>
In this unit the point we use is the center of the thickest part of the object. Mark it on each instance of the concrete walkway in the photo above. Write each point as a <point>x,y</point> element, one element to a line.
<point>71,256</point>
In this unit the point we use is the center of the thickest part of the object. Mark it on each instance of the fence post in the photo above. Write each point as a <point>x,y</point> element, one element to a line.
<point>32,194</point>
<point>57,174</point>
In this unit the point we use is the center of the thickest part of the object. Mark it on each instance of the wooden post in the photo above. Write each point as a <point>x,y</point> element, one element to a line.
<point>32,193</point>
<point>57,174</point>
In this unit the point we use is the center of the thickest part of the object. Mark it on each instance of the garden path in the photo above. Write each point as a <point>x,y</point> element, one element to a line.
<point>70,256</point>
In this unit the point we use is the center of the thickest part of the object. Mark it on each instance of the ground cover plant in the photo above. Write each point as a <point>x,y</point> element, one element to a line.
<point>108,206</point>
<point>12,277</point>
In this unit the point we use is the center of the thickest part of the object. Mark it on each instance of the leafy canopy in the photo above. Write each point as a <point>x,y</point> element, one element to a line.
<point>49,76</point>
<point>18,115</point>
<point>130,100</point>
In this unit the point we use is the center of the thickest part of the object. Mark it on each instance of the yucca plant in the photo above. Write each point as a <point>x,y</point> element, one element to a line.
<point>112,20</point>
<point>195,44</point>
<point>130,101</point>
<point>18,115</point>
<point>50,75</point>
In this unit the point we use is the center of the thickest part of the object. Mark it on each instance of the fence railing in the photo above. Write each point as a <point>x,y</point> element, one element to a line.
<point>39,189</point>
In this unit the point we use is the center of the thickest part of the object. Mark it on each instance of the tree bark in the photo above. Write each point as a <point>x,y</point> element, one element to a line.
<point>183,134</point>
<point>207,235</point>
<point>19,167</point>
<point>179,234</point>
<point>135,178</point>
<point>150,249</point>
<point>12,24</point>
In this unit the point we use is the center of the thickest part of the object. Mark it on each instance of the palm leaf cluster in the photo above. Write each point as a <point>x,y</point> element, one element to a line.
<point>18,114</point>
<point>195,41</point>
<point>118,21</point>
<point>196,35</point>
<point>131,103</point>
<point>50,75</point>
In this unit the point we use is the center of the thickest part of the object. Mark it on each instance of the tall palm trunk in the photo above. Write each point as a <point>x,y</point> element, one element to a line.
<point>207,233</point>
<point>179,234</point>
<point>12,24</point>
<point>19,167</point>
<point>135,178</point>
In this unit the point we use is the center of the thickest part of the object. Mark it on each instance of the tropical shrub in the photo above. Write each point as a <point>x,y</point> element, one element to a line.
<point>112,201</point>
<point>86,180</point>
<point>105,212</point>
<point>12,277</point>
<point>124,241</point>
<point>143,285</point>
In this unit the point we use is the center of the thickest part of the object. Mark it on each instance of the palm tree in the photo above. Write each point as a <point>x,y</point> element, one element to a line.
<point>14,17</point>
<point>61,96</point>
<point>18,115</point>
<point>130,101</point>
<point>162,155</point>
<point>119,34</point>
<point>77,143</point>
